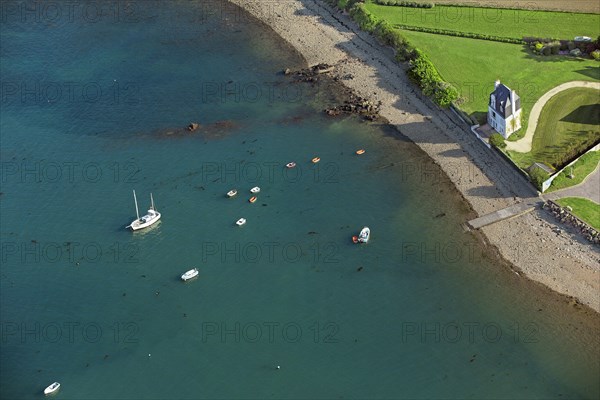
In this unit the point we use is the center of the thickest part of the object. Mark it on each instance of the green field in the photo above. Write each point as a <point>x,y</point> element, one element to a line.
<point>568,118</point>
<point>581,169</point>
<point>494,21</point>
<point>583,209</point>
<point>473,65</point>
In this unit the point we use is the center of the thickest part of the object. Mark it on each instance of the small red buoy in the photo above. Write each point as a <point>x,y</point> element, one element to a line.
<point>355,239</point>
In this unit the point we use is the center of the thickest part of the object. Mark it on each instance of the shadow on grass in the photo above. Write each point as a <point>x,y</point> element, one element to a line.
<point>479,116</point>
<point>591,72</point>
<point>588,114</point>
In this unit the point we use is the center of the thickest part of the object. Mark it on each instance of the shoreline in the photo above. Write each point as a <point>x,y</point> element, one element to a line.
<point>529,244</point>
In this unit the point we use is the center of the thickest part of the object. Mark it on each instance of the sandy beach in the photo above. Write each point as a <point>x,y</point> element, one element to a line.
<point>533,245</point>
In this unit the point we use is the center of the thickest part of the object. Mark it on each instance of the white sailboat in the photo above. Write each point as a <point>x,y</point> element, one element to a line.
<point>150,218</point>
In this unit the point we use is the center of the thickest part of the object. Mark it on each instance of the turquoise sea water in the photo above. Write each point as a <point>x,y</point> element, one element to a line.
<point>93,107</point>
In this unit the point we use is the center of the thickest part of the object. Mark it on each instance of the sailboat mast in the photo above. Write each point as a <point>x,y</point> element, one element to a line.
<point>151,201</point>
<point>137,212</point>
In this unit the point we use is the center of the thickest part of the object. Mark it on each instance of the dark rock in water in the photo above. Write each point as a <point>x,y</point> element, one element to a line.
<point>312,233</point>
<point>264,204</point>
<point>440,215</point>
<point>359,269</point>
<point>192,126</point>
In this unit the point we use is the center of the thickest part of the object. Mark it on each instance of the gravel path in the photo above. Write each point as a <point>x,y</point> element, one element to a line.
<point>523,145</point>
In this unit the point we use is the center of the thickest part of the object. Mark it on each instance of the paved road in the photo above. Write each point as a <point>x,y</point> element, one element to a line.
<point>589,188</point>
<point>524,145</point>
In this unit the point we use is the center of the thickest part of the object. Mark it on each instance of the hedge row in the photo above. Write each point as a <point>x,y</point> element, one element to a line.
<point>421,70</point>
<point>571,150</point>
<point>461,34</point>
<point>398,3</point>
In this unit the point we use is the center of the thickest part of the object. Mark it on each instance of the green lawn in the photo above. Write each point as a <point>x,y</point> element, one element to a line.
<point>583,209</point>
<point>494,21</point>
<point>581,169</point>
<point>473,65</point>
<point>568,118</point>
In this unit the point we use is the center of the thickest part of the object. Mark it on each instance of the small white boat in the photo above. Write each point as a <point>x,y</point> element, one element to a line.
<point>52,388</point>
<point>290,164</point>
<point>255,189</point>
<point>192,273</point>
<point>150,218</point>
<point>363,236</point>
<point>241,221</point>
<point>231,193</point>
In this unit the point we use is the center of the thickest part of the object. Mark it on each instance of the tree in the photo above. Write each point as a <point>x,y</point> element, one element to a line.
<point>538,176</point>
<point>497,140</point>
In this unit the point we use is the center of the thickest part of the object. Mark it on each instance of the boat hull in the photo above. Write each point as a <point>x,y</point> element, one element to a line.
<point>192,273</point>
<point>52,388</point>
<point>364,235</point>
<point>149,219</point>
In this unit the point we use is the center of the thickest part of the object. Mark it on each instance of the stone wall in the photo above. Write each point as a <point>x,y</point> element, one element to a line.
<point>563,215</point>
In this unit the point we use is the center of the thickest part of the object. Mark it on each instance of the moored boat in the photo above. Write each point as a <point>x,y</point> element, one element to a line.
<point>252,199</point>
<point>363,236</point>
<point>360,151</point>
<point>290,164</point>
<point>255,189</point>
<point>192,273</point>
<point>241,221</point>
<point>316,160</point>
<point>231,193</point>
<point>52,388</point>
<point>150,218</point>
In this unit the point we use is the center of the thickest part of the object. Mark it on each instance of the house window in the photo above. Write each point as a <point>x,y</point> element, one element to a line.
<point>493,115</point>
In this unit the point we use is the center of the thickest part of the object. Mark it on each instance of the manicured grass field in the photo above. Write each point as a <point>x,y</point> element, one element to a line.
<point>473,65</point>
<point>568,118</point>
<point>581,169</point>
<point>589,6</point>
<point>583,209</point>
<point>494,21</point>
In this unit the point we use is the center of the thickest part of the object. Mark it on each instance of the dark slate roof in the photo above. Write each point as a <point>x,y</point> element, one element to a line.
<point>503,106</point>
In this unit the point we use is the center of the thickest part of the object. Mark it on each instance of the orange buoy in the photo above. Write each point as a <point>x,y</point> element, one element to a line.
<point>316,160</point>
<point>355,239</point>
<point>361,151</point>
<point>252,199</point>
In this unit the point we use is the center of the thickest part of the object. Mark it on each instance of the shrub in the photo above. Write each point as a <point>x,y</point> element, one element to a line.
<point>538,176</point>
<point>363,17</point>
<point>571,45</point>
<point>590,48</point>
<point>497,140</point>
<point>546,50</point>
<point>564,45</point>
<point>596,55</point>
<point>538,47</point>
<point>413,4</point>
<point>445,94</point>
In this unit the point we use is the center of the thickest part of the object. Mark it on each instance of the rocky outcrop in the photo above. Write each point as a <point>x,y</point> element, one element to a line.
<point>563,215</point>
<point>356,105</point>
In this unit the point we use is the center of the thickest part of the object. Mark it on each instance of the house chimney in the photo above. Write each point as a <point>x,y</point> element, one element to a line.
<point>512,102</point>
<point>496,83</point>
